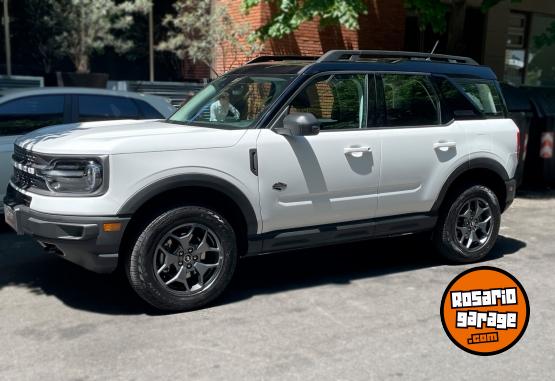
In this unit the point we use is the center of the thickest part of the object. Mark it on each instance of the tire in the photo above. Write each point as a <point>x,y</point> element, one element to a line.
<point>171,249</point>
<point>458,219</point>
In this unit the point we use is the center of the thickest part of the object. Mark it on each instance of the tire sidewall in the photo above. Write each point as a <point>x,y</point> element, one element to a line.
<point>448,245</point>
<point>141,261</point>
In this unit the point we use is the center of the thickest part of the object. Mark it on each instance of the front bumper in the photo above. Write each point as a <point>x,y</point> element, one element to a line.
<point>81,240</point>
<point>510,187</point>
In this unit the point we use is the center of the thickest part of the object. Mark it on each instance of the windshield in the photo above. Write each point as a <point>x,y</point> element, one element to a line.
<point>232,101</point>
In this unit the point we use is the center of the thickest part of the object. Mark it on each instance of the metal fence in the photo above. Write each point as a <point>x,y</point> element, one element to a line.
<point>176,92</point>
<point>19,82</point>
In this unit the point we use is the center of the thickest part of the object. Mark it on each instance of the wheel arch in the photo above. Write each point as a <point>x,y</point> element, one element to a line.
<point>483,171</point>
<point>200,189</point>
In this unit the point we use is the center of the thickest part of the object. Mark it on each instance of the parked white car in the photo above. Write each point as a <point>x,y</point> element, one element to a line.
<point>279,154</point>
<point>22,111</point>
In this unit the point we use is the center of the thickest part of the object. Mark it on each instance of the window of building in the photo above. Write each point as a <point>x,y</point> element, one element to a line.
<point>338,101</point>
<point>540,69</point>
<point>515,54</point>
<point>30,113</point>
<point>410,100</point>
<point>99,107</point>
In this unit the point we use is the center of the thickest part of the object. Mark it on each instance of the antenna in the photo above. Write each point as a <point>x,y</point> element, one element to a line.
<point>435,46</point>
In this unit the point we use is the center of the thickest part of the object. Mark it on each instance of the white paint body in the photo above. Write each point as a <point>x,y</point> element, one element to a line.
<point>399,171</point>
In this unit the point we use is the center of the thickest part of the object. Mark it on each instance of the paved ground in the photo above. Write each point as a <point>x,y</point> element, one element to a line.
<point>365,311</point>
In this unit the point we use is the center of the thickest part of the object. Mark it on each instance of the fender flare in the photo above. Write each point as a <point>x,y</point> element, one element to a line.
<point>478,163</point>
<point>193,180</point>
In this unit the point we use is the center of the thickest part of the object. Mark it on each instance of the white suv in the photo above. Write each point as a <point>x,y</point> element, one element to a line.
<point>282,153</point>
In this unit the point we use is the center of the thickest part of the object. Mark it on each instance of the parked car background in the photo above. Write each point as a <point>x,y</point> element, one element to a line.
<point>27,110</point>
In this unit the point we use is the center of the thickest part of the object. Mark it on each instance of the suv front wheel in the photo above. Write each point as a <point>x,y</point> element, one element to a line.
<point>469,224</point>
<point>183,259</point>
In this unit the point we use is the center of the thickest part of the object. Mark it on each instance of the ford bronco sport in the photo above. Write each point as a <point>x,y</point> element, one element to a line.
<point>282,153</point>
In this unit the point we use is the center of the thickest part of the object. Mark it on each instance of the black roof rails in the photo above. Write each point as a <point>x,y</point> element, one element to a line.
<point>282,58</point>
<point>356,55</point>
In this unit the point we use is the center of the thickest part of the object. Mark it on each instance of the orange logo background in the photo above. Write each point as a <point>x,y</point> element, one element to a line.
<point>511,319</point>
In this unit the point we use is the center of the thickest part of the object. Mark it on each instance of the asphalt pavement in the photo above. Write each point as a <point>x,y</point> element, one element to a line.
<point>365,311</point>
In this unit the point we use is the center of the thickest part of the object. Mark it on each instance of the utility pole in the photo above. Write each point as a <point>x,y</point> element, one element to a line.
<point>151,43</point>
<point>7,39</point>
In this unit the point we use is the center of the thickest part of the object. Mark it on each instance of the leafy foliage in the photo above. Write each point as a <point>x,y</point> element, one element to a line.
<point>547,38</point>
<point>429,12</point>
<point>86,26</point>
<point>197,29</point>
<point>292,13</point>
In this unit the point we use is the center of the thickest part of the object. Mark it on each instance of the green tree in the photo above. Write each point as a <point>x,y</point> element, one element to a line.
<point>40,27</point>
<point>86,26</point>
<point>198,30</point>
<point>291,13</point>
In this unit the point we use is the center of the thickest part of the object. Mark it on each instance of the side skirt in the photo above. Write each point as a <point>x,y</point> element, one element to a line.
<point>293,239</point>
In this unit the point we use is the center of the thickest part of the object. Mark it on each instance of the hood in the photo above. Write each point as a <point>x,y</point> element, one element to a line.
<point>125,136</point>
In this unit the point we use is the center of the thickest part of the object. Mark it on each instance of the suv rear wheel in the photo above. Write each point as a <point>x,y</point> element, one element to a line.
<point>469,225</point>
<point>183,259</point>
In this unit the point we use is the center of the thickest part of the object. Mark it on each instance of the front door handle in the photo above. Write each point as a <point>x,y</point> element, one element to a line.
<point>445,145</point>
<point>356,151</point>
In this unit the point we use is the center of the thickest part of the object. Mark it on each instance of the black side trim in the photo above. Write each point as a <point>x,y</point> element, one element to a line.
<point>193,180</point>
<point>314,236</point>
<point>481,163</point>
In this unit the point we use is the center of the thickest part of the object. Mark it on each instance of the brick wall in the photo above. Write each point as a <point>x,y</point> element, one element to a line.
<point>382,28</point>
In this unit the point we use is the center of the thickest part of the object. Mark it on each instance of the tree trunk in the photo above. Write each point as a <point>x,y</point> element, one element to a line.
<point>455,32</point>
<point>82,63</point>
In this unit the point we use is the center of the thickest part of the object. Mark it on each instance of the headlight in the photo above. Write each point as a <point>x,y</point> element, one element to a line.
<point>73,176</point>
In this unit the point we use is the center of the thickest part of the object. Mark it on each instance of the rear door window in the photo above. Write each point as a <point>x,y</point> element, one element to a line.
<point>409,100</point>
<point>101,107</point>
<point>30,113</point>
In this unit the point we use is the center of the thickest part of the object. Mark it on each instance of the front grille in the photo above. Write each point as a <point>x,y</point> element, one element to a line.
<point>25,180</point>
<point>30,160</point>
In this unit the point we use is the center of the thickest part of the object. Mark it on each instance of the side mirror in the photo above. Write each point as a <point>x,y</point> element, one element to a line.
<point>299,124</point>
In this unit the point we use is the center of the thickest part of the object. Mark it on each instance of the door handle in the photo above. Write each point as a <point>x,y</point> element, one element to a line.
<point>356,151</point>
<point>445,145</point>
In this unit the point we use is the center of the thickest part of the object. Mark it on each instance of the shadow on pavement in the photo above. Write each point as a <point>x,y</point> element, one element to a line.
<point>24,264</point>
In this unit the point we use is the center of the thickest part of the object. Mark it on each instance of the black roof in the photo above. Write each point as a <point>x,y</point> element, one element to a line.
<point>380,61</point>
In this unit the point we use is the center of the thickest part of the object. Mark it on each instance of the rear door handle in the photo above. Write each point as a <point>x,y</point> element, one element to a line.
<point>356,151</point>
<point>445,145</point>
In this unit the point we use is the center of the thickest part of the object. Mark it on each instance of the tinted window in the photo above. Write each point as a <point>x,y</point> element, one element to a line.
<point>459,106</point>
<point>232,101</point>
<point>27,114</point>
<point>98,107</point>
<point>484,96</point>
<point>148,111</point>
<point>338,101</point>
<point>410,100</point>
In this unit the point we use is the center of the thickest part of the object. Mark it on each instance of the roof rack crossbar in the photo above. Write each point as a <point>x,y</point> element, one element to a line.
<point>281,58</point>
<point>356,55</point>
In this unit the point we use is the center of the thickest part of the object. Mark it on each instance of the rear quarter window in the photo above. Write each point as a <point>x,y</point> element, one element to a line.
<point>484,96</point>
<point>148,111</point>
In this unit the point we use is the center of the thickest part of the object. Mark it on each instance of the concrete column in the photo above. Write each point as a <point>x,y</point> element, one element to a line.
<point>497,24</point>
